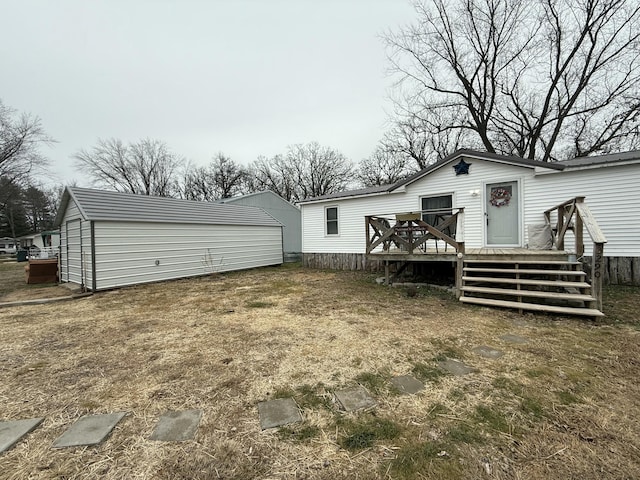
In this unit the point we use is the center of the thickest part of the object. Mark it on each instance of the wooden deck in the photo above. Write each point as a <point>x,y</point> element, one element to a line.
<point>405,238</point>
<point>450,255</point>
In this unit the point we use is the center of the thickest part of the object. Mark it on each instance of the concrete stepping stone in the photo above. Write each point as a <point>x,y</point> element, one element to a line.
<point>356,398</point>
<point>487,352</point>
<point>177,426</point>
<point>514,338</point>
<point>278,412</point>
<point>89,430</point>
<point>12,431</point>
<point>406,384</point>
<point>456,367</point>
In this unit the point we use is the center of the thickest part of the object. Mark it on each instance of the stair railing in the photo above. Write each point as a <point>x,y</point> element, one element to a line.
<point>575,215</point>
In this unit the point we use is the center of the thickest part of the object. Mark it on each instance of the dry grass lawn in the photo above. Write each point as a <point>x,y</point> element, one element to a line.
<point>565,405</point>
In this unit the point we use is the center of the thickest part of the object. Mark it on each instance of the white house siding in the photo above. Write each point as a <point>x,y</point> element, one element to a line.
<point>351,212</point>
<point>611,194</point>
<point>127,252</point>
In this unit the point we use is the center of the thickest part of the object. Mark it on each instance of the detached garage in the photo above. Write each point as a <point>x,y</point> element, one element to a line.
<point>113,239</point>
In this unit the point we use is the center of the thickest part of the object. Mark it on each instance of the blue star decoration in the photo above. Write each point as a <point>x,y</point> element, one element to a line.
<point>462,168</point>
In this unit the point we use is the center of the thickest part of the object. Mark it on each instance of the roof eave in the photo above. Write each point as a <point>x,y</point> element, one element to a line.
<point>349,197</point>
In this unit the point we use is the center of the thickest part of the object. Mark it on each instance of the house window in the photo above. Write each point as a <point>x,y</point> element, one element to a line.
<point>439,209</point>
<point>331,220</point>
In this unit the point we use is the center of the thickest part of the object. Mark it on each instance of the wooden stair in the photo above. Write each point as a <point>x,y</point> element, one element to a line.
<point>524,284</point>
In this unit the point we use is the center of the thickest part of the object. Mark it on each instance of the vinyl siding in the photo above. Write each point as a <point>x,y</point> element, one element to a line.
<point>611,194</point>
<point>126,252</point>
<point>288,215</point>
<point>71,243</point>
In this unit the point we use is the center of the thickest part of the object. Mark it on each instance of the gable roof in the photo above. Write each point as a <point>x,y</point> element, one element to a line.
<point>129,207</point>
<point>241,198</point>
<point>492,157</point>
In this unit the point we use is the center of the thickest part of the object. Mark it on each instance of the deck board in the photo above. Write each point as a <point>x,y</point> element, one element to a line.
<point>439,255</point>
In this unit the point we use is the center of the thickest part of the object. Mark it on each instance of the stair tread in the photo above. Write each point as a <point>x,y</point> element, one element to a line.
<point>590,312</point>
<point>530,293</point>
<point>521,281</point>
<point>577,273</point>
<point>525,262</point>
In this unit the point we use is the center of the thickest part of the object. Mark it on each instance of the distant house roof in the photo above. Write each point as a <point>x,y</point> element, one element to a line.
<point>241,198</point>
<point>575,163</point>
<point>117,206</point>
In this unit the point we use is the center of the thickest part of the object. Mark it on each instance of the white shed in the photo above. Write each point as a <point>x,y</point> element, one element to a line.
<point>112,239</point>
<point>281,210</point>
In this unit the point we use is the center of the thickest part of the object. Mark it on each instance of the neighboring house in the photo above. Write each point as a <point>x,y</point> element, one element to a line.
<point>7,245</point>
<point>112,239</point>
<point>43,244</point>
<point>286,213</point>
<point>498,199</point>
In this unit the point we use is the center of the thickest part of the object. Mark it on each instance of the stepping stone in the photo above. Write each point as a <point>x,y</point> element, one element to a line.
<point>514,338</point>
<point>12,431</point>
<point>177,426</point>
<point>456,367</point>
<point>487,352</point>
<point>89,430</point>
<point>278,412</point>
<point>407,384</point>
<point>356,398</point>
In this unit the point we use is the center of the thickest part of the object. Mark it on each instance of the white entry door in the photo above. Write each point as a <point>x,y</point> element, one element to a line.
<point>502,214</point>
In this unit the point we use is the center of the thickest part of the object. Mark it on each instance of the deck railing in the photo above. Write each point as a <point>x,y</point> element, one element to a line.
<point>410,232</point>
<point>575,215</point>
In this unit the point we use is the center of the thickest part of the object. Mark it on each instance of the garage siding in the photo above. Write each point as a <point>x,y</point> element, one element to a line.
<point>129,253</point>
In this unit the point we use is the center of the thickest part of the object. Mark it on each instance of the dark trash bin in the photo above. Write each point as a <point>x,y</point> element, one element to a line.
<point>21,255</point>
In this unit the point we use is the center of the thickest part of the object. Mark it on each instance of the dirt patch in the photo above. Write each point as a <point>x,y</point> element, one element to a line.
<point>563,405</point>
<point>13,287</point>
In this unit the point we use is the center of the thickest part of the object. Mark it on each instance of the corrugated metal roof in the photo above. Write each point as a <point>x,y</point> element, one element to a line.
<point>117,206</point>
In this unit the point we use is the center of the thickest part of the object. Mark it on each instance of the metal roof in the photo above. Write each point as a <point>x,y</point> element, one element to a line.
<point>118,206</point>
<point>602,160</point>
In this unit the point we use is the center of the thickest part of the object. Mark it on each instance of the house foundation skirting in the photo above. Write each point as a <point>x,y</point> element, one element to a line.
<point>617,270</point>
<point>342,261</point>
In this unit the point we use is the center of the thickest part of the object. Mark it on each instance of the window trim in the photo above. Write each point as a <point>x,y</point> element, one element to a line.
<point>326,221</point>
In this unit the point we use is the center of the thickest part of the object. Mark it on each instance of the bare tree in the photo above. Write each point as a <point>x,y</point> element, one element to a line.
<point>21,137</point>
<point>319,170</point>
<point>146,167</point>
<point>306,170</point>
<point>222,178</point>
<point>275,174</point>
<point>542,79</point>
<point>383,167</point>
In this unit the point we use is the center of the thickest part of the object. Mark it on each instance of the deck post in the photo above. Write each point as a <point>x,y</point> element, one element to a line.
<point>597,273</point>
<point>386,273</point>
<point>459,273</point>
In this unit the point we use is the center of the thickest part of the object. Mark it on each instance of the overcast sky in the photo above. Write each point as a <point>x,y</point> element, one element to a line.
<point>245,77</point>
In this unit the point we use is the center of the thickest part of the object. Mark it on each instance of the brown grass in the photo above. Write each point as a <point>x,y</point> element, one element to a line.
<point>13,286</point>
<point>562,406</point>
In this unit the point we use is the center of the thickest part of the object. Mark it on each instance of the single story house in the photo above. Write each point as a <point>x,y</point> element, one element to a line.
<point>486,203</point>
<point>112,239</point>
<point>42,244</point>
<point>286,213</point>
<point>7,245</point>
